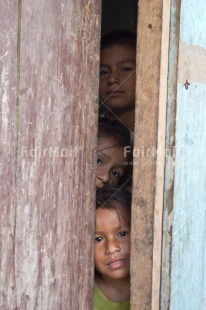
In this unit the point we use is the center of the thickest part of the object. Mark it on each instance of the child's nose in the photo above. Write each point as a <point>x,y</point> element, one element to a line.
<point>113,78</point>
<point>112,246</point>
<point>104,175</point>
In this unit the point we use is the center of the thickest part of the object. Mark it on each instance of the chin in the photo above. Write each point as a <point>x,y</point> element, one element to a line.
<point>117,107</point>
<point>120,277</point>
<point>98,186</point>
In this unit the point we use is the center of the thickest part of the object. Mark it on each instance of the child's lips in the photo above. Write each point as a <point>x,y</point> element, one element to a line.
<point>116,264</point>
<point>114,93</point>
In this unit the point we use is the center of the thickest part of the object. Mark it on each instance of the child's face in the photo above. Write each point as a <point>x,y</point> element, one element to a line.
<point>110,161</point>
<point>112,243</point>
<point>117,78</point>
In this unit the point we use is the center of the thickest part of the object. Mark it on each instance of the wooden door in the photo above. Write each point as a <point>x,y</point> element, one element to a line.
<point>49,54</point>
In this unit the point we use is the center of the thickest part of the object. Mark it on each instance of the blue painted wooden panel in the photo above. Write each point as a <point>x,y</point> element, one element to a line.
<point>188,276</point>
<point>188,269</point>
<point>193,25</point>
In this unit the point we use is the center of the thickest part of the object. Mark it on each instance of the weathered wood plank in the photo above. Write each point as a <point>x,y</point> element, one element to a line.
<point>54,216</point>
<point>146,143</point>
<point>8,144</point>
<point>170,154</point>
<point>161,154</point>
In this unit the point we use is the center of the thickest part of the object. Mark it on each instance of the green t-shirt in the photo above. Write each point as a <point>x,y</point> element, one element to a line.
<point>101,302</point>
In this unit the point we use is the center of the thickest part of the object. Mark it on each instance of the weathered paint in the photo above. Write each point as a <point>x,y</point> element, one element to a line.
<point>188,272</point>
<point>49,84</point>
<point>160,162</point>
<point>169,158</point>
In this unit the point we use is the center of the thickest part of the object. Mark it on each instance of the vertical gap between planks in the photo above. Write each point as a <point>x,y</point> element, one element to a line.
<point>158,208</point>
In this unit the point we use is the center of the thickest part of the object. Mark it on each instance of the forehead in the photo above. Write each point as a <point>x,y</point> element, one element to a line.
<point>111,148</point>
<point>110,217</point>
<point>108,141</point>
<point>117,53</point>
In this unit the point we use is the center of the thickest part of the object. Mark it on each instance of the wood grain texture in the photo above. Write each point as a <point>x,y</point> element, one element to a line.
<point>146,132</point>
<point>52,217</point>
<point>161,155</point>
<point>170,154</point>
<point>8,145</point>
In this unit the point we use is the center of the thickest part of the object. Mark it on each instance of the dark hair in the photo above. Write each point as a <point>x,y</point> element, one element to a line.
<point>108,196</point>
<point>110,128</point>
<point>119,37</point>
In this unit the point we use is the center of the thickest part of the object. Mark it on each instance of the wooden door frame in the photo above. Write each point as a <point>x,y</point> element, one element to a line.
<point>170,158</point>
<point>150,133</point>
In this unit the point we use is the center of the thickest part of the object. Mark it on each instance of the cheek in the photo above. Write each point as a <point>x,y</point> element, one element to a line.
<point>97,170</point>
<point>100,168</point>
<point>126,246</point>
<point>133,86</point>
<point>113,182</point>
<point>97,255</point>
<point>101,85</point>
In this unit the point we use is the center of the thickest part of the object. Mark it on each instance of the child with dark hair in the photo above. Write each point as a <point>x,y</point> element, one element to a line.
<point>118,77</point>
<point>112,249</point>
<point>113,143</point>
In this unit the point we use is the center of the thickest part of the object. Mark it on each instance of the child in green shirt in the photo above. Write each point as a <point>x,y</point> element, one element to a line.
<point>112,249</point>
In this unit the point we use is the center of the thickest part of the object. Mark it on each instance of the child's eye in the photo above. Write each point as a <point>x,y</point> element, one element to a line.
<point>98,239</point>
<point>115,174</point>
<point>123,233</point>
<point>103,72</point>
<point>125,69</point>
<point>99,161</point>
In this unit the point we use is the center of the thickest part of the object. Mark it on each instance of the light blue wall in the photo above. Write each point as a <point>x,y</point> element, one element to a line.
<point>193,22</point>
<point>188,267</point>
